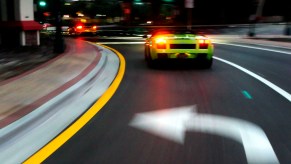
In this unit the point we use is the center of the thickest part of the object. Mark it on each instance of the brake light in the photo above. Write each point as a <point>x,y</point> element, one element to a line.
<point>80,27</point>
<point>203,43</point>
<point>161,40</point>
<point>94,27</point>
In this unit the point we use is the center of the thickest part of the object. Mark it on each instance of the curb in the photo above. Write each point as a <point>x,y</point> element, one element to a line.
<point>53,145</point>
<point>26,131</point>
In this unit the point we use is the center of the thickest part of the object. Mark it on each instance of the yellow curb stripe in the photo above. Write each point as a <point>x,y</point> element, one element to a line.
<point>57,142</point>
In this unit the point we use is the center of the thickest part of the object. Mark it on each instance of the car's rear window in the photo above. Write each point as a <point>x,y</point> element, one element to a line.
<point>163,32</point>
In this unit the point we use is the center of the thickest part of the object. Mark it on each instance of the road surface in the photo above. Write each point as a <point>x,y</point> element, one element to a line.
<point>225,91</point>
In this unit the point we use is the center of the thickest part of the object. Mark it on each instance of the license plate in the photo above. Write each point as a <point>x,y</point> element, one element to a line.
<point>182,56</point>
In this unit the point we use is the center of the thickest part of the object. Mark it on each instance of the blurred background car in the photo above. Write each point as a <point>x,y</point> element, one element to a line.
<point>83,28</point>
<point>46,25</point>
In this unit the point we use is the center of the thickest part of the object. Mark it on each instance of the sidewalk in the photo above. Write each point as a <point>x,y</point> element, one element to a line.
<point>25,92</point>
<point>17,60</point>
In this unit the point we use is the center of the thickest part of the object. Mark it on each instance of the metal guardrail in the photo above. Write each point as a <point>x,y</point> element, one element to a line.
<point>259,28</point>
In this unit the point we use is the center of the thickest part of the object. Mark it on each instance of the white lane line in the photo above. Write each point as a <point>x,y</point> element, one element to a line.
<point>273,46</point>
<point>258,48</point>
<point>263,80</point>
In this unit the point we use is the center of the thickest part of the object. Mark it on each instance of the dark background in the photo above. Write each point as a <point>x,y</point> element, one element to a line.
<point>204,11</point>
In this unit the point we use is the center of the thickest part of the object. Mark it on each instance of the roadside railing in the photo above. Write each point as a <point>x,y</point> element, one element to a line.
<point>226,29</point>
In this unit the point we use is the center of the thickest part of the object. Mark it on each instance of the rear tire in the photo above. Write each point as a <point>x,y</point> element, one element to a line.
<point>146,50</point>
<point>207,63</point>
<point>148,58</point>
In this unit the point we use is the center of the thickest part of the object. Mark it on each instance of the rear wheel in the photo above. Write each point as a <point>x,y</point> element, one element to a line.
<point>207,63</point>
<point>148,58</point>
<point>146,51</point>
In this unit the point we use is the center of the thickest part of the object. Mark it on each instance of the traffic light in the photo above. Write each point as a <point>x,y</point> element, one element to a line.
<point>42,3</point>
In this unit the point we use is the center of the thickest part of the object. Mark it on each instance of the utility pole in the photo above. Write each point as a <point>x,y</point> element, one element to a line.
<point>59,45</point>
<point>189,5</point>
<point>288,28</point>
<point>254,18</point>
<point>287,16</point>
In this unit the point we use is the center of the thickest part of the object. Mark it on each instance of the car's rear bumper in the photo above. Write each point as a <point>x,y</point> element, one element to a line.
<point>181,53</point>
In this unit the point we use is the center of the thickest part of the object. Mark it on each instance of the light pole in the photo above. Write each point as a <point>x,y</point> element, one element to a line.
<point>189,5</point>
<point>59,45</point>
<point>288,28</point>
<point>287,18</point>
<point>254,18</point>
<point>40,8</point>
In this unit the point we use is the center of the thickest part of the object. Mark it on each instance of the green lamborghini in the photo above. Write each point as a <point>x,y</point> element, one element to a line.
<point>178,45</point>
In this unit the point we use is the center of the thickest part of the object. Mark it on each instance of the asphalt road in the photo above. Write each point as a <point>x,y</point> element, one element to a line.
<point>224,93</point>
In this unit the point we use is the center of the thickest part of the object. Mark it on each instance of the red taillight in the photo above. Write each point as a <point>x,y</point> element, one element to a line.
<point>161,42</point>
<point>161,46</point>
<point>80,27</point>
<point>203,43</point>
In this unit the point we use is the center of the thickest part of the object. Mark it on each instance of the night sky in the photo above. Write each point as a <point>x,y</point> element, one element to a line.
<point>235,11</point>
<point>210,11</point>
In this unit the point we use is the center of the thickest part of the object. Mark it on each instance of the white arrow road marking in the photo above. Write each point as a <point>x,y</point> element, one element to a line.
<point>173,123</point>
